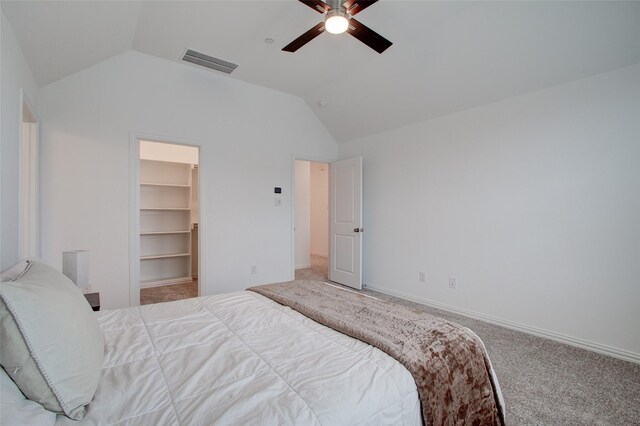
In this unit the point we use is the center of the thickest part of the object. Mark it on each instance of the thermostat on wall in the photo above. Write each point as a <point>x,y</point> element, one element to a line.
<point>277,190</point>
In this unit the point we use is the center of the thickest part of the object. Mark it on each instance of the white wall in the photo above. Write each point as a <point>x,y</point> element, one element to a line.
<point>319,208</point>
<point>533,203</point>
<point>14,75</point>
<point>302,214</point>
<point>249,135</point>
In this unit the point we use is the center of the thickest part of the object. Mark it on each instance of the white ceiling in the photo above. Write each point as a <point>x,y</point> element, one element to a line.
<point>447,56</point>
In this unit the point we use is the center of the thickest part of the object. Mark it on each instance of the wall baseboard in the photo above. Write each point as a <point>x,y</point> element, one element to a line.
<point>319,254</point>
<point>573,341</point>
<point>303,266</point>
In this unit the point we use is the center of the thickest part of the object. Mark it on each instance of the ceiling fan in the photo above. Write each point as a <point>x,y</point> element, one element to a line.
<point>338,18</point>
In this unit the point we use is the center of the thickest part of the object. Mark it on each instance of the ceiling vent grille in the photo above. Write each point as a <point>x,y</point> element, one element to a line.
<point>209,61</point>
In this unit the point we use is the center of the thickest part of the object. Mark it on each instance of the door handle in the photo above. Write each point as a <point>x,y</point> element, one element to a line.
<point>358,230</point>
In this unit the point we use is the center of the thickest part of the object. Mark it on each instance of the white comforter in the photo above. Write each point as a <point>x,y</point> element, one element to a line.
<point>240,359</point>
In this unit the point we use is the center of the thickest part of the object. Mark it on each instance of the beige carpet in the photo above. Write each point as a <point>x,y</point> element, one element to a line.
<point>317,271</point>
<point>168,293</point>
<point>545,382</point>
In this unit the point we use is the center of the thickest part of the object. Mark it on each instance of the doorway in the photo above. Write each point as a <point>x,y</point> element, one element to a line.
<point>168,221</point>
<point>311,220</point>
<point>29,187</point>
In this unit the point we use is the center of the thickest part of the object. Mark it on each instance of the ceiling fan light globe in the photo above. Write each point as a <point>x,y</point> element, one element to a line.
<point>336,22</point>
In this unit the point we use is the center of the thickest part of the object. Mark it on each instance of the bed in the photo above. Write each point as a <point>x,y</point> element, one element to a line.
<point>238,358</point>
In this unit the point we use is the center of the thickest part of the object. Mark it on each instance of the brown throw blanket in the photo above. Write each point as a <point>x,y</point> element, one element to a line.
<point>448,362</point>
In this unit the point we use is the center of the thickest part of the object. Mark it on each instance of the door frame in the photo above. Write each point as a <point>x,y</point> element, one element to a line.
<point>134,209</point>
<point>34,176</point>
<point>300,157</point>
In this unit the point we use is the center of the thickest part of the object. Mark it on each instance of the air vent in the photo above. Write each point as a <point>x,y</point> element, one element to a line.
<point>209,61</point>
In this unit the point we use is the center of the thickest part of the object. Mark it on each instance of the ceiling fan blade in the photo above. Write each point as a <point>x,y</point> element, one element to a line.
<point>317,5</point>
<point>368,36</point>
<point>304,38</point>
<point>356,6</point>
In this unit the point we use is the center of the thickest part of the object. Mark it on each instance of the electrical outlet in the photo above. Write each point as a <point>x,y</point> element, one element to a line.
<point>453,282</point>
<point>254,269</point>
<point>422,277</point>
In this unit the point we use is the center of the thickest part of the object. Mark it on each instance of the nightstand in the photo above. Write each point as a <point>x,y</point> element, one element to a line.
<point>94,300</point>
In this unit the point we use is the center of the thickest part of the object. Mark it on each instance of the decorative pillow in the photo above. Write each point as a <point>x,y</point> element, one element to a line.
<point>52,345</point>
<point>16,410</point>
<point>14,272</point>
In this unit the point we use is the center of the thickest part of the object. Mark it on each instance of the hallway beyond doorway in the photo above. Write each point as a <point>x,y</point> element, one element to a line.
<point>317,272</point>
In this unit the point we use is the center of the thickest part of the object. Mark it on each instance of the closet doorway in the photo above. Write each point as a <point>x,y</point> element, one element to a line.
<point>311,228</point>
<point>168,221</point>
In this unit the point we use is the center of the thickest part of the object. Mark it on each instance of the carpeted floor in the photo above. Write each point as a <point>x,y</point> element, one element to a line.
<point>544,382</point>
<point>168,293</point>
<point>318,270</point>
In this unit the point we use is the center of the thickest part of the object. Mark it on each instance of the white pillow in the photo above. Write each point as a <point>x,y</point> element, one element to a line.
<point>14,272</point>
<point>52,346</point>
<point>16,410</point>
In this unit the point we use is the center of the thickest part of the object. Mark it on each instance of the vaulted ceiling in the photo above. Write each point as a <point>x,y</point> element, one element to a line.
<point>447,56</point>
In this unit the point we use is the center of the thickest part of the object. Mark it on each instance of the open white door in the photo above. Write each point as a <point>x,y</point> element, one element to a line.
<point>345,222</point>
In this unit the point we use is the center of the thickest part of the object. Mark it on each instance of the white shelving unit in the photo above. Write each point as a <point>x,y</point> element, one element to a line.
<point>165,223</point>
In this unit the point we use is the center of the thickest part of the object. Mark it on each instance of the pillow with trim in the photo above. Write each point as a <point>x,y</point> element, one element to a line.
<point>14,272</point>
<point>16,410</point>
<point>52,344</point>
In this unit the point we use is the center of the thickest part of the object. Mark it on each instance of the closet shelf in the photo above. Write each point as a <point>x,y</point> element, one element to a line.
<point>166,281</point>
<point>166,208</point>
<point>164,256</point>
<point>175,185</point>
<point>164,232</point>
